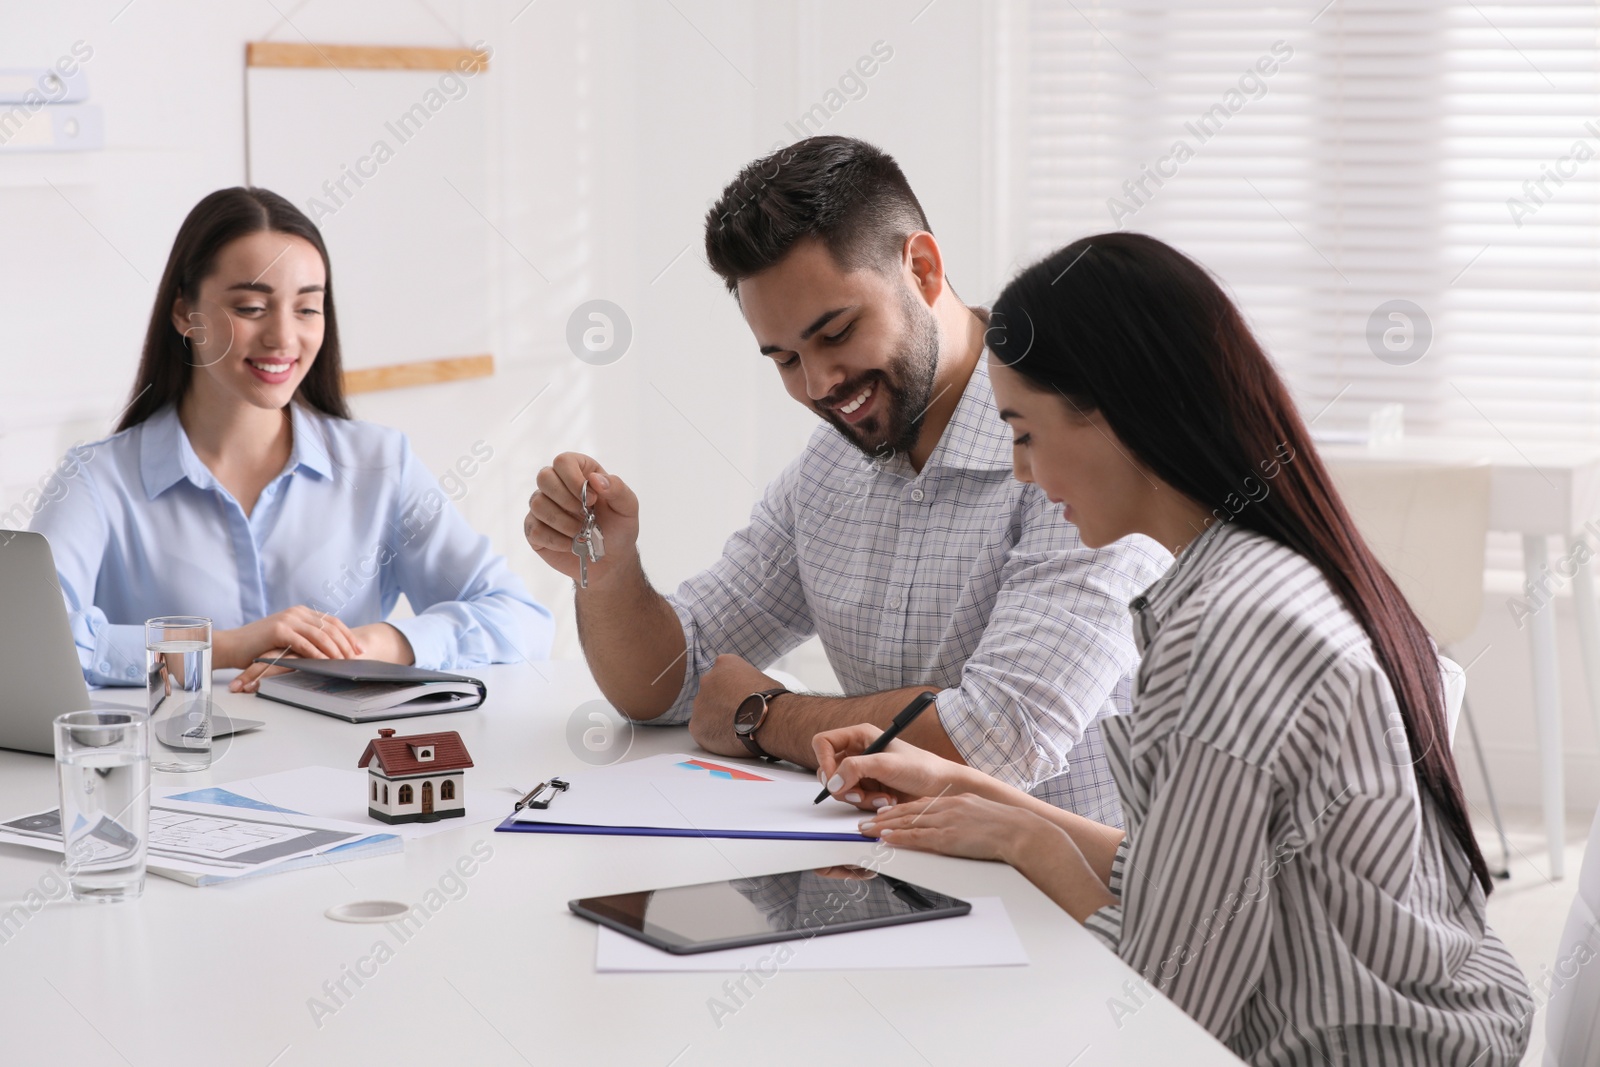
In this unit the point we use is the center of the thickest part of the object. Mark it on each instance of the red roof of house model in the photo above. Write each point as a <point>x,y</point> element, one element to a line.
<point>397,756</point>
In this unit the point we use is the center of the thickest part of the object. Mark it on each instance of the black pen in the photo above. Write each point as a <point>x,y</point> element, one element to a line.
<point>901,721</point>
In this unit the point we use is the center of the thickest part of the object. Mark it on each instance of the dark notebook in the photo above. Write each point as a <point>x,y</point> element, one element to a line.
<point>364,690</point>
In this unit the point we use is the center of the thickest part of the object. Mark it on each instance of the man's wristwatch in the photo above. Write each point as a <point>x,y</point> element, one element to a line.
<point>749,716</point>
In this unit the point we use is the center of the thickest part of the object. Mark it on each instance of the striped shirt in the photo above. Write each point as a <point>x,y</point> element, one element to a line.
<point>1282,879</point>
<point>958,577</point>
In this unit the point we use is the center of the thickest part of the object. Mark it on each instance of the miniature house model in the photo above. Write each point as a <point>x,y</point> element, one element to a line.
<point>417,778</point>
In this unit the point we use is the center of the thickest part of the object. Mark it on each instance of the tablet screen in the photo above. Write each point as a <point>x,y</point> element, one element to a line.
<point>774,907</point>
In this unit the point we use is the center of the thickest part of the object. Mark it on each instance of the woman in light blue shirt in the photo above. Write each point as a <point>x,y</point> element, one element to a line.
<point>238,487</point>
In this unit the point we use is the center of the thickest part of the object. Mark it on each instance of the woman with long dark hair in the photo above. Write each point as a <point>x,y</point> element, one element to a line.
<point>237,486</point>
<point>1296,873</point>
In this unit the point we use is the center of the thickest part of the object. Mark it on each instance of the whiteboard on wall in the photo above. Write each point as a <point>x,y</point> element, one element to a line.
<point>386,151</point>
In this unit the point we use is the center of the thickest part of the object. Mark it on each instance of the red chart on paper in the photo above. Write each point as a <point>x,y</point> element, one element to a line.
<point>717,770</point>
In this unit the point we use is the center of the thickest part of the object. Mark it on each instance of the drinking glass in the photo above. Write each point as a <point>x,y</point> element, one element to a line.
<point>103,762</point>
<point>178,676</point>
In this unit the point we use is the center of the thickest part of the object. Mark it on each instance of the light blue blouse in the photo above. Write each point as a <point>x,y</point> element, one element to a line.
<point>354,520</point>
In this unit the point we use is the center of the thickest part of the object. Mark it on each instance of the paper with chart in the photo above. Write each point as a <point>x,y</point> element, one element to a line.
<point>685,793</point>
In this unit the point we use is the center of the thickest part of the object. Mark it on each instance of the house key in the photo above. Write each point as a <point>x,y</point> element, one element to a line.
<point>589,546</point>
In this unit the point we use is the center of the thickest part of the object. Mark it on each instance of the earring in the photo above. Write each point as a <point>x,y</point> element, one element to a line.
<point>191,327</point>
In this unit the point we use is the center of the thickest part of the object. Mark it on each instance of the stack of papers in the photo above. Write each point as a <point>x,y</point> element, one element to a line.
<point>690,796</point>
<point>214,835</point>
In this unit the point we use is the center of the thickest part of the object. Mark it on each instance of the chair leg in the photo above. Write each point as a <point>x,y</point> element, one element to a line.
<point>1488,787</point>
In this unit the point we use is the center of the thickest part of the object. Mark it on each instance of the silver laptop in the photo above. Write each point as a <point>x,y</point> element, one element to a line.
<point>40,677</point>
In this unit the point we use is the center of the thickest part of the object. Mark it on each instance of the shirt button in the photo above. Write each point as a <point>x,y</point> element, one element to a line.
<point>133,672</point>
<point>917,494</point>
<point>894,601</point>
<point>105,666</point>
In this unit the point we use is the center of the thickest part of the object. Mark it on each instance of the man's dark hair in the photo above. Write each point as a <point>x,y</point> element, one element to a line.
<point>847,193</point>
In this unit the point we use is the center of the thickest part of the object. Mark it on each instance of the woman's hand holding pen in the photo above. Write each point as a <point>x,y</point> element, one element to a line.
<point>922,801</point>
<point>296,631</point>
<point>899,773</point>
<point>301,630</point>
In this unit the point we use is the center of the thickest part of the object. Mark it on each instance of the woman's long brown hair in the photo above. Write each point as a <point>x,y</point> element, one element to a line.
<point>1128,326</point>
<point>165,366</point>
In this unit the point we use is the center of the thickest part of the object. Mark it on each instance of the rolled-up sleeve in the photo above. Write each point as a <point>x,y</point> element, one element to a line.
<point>1119,867</point>
<point>1056,647</point>
<point>750,603</point>
<point>470,608</point>
<point>1106,924</point>
<point>1195,916</point>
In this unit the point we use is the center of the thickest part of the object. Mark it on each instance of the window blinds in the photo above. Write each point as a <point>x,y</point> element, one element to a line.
<point>1329,161</point>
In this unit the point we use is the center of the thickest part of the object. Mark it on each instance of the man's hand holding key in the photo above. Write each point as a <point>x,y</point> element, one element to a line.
<point>582,521</point>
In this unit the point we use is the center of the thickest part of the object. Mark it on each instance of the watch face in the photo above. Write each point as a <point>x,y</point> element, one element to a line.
<point>751,711</point>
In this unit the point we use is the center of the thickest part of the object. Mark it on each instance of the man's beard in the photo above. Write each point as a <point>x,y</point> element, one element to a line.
<point>906,385</point>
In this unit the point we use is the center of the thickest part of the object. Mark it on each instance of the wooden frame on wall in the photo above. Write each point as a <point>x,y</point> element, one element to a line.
<point>361,56</point>
<point>422,372</point>
<point>310,56</point>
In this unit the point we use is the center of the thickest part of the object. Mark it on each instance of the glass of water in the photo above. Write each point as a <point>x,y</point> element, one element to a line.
<point>178,685</point>
<point>103,761</point>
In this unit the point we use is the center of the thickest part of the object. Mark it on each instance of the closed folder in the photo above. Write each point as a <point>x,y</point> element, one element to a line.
<point>366,690</point>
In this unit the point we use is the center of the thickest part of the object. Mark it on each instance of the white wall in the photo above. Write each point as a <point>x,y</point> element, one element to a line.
<point>613,126</point>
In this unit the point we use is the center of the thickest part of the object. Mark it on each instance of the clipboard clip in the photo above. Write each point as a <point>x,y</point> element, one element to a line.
<point>542,794</point>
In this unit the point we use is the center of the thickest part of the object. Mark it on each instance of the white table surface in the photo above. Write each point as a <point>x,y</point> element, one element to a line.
<point>505,974</point>
<point>1545,489</point>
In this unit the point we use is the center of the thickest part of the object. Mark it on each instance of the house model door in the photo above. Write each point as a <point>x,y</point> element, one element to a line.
<point>427,798</point>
